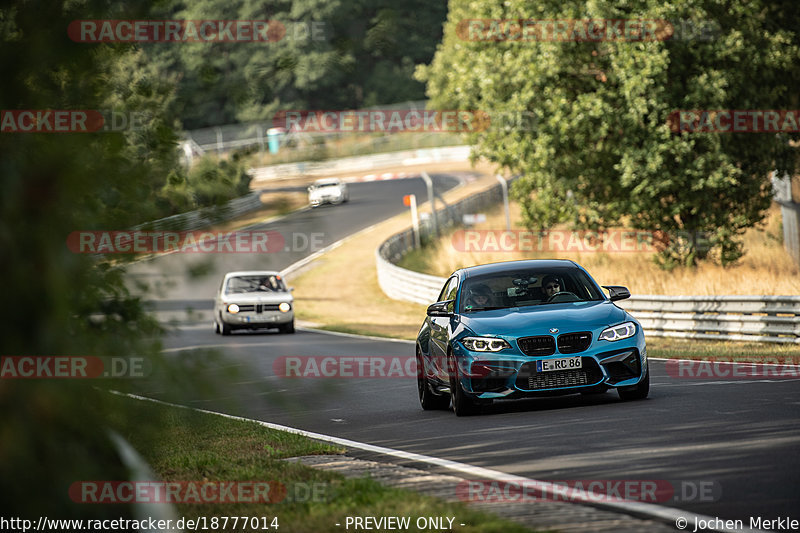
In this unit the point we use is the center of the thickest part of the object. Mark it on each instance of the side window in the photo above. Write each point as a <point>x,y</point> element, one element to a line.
<point>450,287</point>
<point>451,294</point>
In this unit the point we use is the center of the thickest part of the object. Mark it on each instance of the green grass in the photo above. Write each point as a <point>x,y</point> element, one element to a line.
<point>184,445</point>
<point>760,352</point>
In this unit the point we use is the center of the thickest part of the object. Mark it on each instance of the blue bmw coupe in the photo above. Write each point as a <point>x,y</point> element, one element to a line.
<point>527,328</point>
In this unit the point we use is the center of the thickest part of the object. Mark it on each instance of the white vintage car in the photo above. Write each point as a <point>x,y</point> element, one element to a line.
<point>253,300</point>
<point>328,191</point>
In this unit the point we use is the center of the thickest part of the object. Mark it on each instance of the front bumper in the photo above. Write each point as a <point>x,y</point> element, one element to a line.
<point>512,374</point>
<point>245,319</point>
<point>327,199</point>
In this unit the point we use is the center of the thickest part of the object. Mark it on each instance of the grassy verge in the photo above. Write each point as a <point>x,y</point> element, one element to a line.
<point>183,445</point>
<point>759,352</point>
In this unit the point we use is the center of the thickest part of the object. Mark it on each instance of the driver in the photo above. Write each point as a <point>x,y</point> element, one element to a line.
<point>551,285</point>
<point>479,296</point>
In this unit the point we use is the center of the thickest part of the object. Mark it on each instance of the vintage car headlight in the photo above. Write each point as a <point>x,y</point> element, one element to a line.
<point>233,309</point>
<point>619,332</point>
<point>285,307</point>
<point>484,344</point>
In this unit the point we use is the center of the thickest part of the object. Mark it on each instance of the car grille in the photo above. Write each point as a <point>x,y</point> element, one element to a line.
<point>534,346</point>
<point>529,379</point>
<point>258,308</point>
<point>574,342</point>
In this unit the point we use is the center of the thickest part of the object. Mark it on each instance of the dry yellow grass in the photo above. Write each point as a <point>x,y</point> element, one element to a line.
<point>766,268</point>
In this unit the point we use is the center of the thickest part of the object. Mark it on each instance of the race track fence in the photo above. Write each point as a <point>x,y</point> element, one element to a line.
<point>730,318</point>
<point>206,216</point>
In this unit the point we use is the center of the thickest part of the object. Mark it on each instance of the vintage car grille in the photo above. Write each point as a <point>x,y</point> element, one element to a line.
<point>258,308</point>
<point>529,379</point>
<point>535,346</point>
<point>574,342</point>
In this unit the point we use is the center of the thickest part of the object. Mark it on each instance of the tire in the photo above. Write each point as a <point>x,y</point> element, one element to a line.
<point>216,327</point>
<point>463,405</point>
<point>288,328</point>
<point>636,392</point>
<point>225,329</point>
<point>427,399</point>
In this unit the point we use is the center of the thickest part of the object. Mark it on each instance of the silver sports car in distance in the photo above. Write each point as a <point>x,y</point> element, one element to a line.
<point>328,191</point>
<point>253,300</point>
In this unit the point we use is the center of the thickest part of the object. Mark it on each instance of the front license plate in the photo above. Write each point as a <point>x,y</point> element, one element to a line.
<point>565,363</point>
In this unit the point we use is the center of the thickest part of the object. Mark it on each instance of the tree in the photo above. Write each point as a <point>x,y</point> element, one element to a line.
<point>334,55</point>
<point>58,302</point>
<point>602,150</point>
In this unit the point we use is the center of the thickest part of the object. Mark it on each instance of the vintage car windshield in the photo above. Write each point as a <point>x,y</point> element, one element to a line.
<point>527,288</point>
<point>263,283</point>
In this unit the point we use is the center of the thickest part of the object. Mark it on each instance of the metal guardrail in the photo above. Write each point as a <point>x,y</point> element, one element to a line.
<point>402,284</point>
<point>207,216</point>
<point>730,318</point>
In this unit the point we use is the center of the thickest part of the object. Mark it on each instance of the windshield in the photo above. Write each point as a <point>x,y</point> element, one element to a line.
<point>527,288</point>
<point>269,283</point>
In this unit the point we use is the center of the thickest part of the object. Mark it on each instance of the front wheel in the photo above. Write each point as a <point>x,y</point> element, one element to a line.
<point>288,328</point>
<point>427,399</point>
<point>463,405</point>
<point>224,328</point>
<point>636,392</point>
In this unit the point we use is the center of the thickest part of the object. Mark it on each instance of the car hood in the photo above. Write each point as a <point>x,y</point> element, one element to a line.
<point>326,191</point>
<point>258,298</point>
<point>537,320</point>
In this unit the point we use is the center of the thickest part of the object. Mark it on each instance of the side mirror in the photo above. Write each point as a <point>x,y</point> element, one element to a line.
<point>617,292</point>
<point>440,309</point>
<point>291,289</point>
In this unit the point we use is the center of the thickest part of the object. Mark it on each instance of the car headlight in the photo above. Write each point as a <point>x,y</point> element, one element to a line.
<point>484,344</point>
<point>233,309</point>
<point>285,307</point>
<point>619,332</point>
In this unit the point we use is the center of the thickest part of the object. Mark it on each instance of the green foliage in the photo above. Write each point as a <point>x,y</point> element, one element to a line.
<point>602,151</point>
<point>58,302</point>
<point>210,182</point>
<point>360,53</point>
